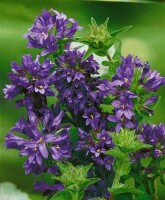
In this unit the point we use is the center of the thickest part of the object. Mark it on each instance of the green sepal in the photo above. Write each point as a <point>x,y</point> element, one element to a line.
<point>123,188</point>
<point>120,31</point>
<point>62,195</point>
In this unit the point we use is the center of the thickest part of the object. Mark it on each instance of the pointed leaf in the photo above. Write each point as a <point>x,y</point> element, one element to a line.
<point>61,166</point>
<point>80,46</point>
<point>87,168</point>
<point>122,188</point>
<point>106,22</point>
<point>116,33</point>
<point>62,195</point>
<point>89,52</point>
<point>93,22</point>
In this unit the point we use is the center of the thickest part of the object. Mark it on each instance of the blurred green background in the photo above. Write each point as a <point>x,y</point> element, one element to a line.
<point>146,39</point>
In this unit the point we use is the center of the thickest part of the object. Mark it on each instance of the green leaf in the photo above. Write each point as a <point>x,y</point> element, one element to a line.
<point>106,22</point>
<point>89,52</point>
<point>146,161</point>
<point>105,63</point>
<point>93,22</point>
<point>123,188</point>
<point>87,168</point>
<point>80,46</point>
<point>144,195</point>
<point>122,30</point>
<point>116,153</point>
<point>106,108</point>
<point>62,195</point>
<point>61,166</point>
<point>73,134</point>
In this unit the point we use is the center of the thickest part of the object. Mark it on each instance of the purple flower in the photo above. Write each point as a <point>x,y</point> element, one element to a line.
<point>50,30</point>
<point>120,122</point>
<point>11,91</point>
<point>124,106</point>
<point>97,150</point>
<point>155,136</point>
<point>154,81</point>
<point>32,77</point>
<point>47,189</point>
<point>92,117</point>
<point>123,112</point>
<point>41,139</point>
<point>124,72</point>
<point>132,73</point>
<point>106,87</point>
<point>104,138</point>
<point>73,80</point>
<point>96,146</point>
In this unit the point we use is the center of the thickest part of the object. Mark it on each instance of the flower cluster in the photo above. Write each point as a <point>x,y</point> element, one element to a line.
<point>31,79</point>
<point>92,106</point>
<point>77,89</point>
<point>51,31</point>
<point>155,136</point>
<point>43,138</point>
<point>132,88</point>
<point>96,144</point>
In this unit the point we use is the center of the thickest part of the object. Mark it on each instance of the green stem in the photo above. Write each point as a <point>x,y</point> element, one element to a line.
<point>156,190</point>
<point>108,56</point>
<point>112,197</point>
<point>118,175</point>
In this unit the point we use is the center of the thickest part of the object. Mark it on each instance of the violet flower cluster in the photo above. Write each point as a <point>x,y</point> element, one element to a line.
<point>52,31</point>
<point>45,136</point>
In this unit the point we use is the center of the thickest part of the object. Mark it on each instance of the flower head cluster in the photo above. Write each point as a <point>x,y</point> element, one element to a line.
<point>155,136</point>
<point>134,74</point>
<point>132,88</point>
<point>73,80</point>
<point>41,139</point>
<point>123,112</point>
<point>31,79</point>
<point>51,31</point>
<point>96,144</point>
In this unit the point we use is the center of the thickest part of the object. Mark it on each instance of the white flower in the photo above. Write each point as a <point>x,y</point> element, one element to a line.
<point>8,191</point>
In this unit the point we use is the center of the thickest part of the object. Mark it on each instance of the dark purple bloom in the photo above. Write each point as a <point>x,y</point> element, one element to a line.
<point>51,29</point>
<point>96,146</point>
<point>106,87</point>
<point>124,106</point>
<point>32,77</point>
<point>97,150</point>
<point>73,80</point>
<point>124,72</point>
<point>11,91</point>
<point>43,137</point>
<point>154,81</point>
<point>92,117</point>
<point>47,189</point>
<point>104,138</point>
<point>155,136</point>
<point>132,73</point>
<point>147,105</point>
<point>120,122</point>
